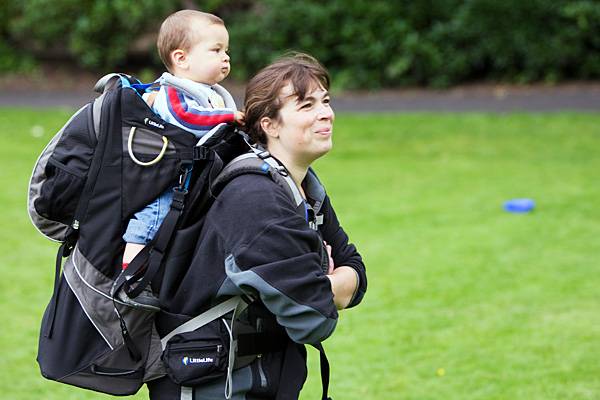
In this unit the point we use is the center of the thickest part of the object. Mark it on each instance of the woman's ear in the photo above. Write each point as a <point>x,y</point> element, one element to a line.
<point>179,58</point>
<point>269,127</point>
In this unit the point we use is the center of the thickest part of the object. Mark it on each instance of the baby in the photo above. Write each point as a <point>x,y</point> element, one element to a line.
<point>193,46</point>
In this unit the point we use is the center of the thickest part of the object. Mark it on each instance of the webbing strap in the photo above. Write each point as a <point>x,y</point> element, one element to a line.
<point>187,393</point>
<point>324,362</point>
<point>210,315</point>
<point>159,245</point>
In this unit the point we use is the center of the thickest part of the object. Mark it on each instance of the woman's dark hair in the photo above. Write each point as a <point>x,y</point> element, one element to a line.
<point>302,71</point>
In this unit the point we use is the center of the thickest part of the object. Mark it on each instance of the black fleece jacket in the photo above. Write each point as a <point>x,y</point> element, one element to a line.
<point>255,242</point>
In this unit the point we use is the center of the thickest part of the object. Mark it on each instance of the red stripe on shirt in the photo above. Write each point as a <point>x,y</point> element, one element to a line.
<point>193,118</point>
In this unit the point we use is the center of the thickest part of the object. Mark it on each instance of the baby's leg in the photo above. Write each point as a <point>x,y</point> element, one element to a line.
<point>131,250</point>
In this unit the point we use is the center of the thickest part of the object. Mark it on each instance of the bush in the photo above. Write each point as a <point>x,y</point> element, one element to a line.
<point>11,59</point>
<point>435,42</point>
<point>365,44</point>
<point>95,33</point>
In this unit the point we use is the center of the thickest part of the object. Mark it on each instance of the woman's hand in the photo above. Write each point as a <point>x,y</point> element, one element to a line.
<point>344,283</point>
<point>331,262</point>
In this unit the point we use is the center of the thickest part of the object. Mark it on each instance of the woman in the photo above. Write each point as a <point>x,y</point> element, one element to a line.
<point>256,243</point>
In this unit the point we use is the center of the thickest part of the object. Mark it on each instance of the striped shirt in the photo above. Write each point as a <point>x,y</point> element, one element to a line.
<point>182,110</point>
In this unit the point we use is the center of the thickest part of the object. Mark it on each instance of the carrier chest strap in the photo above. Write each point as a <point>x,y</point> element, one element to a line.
<point>234,303</point>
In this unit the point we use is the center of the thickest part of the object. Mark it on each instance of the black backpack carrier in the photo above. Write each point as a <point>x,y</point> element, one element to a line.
<point>84,189</point>
<point>112,158</point>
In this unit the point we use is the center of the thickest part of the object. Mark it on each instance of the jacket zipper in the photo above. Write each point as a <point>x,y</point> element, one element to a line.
<point>195,346</point>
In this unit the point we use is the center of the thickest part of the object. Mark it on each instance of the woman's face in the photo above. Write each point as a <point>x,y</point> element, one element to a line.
<point>304,128</point>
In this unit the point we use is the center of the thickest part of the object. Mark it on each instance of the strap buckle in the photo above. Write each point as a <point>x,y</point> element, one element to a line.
<point>282,170</point>
<point>263,154</point>
<point>200,153</point>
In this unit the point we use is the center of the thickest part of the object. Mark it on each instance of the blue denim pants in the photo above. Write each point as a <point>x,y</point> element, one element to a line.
<point>145,223</point>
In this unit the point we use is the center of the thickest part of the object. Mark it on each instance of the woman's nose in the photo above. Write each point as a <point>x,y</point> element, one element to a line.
<point>325,111</point>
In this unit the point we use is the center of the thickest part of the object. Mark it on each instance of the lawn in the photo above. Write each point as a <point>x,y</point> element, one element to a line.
<point>465,301</point>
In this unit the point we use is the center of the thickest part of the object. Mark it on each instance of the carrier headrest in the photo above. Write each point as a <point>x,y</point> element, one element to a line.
<point>108,81</point>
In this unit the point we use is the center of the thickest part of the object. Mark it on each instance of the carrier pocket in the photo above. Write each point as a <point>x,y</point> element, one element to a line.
<point>193,358</point>
<point>60,192</point>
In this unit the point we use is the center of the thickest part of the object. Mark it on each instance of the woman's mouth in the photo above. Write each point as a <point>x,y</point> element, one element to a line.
<point>324,131</point>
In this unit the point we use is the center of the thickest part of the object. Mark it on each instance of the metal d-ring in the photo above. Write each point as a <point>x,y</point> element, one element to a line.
<point>138,162</point>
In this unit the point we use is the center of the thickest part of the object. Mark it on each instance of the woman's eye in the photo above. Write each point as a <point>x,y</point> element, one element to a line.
<point>305,106</point>
<point>327,100</point>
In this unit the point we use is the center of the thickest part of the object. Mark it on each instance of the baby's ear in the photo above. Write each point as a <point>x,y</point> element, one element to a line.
<point>178,58</point>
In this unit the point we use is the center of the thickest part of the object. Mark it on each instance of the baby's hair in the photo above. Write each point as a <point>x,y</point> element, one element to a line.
<point>176,33</point>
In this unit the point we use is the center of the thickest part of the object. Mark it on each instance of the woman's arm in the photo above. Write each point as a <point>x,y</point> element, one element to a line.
<point>272,253</point>
<point>344,284</point>
<point>349,278</point>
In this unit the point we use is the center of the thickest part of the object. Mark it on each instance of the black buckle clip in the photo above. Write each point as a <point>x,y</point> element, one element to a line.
<point>264,154</point>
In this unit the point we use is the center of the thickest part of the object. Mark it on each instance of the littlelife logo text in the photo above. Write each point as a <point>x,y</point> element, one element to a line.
<point>148,121</point>
<point>195,360</point>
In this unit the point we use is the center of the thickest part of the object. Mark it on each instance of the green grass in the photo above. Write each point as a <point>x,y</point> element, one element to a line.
<point>465,301</point>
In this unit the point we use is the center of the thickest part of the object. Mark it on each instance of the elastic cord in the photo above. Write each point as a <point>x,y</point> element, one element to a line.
<point>229,379</point>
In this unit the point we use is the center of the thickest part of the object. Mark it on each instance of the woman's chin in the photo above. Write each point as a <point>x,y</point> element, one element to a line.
<point>324,149</point>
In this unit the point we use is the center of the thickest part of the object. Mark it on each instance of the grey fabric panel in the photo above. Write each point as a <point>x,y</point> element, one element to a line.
<point>97,113</point>
<point>53,230</point>
<point>92,290</point>
<point>242,383</point>
<point>228,288</point>
<point>154,367</point>
<point>303,324</point>
<point>145,142</point>
<point>97,306</point>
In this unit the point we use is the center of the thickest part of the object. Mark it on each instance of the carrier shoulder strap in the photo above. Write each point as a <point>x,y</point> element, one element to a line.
<point>260,163</point>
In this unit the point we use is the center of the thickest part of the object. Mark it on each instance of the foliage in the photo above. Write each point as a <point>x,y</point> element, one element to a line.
<point>433,42</point>
<point>96,33</point>
<point>10,58</point>
<point>365,44</point>
<point>465,301</point>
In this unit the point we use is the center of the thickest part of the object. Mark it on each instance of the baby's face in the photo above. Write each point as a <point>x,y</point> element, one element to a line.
<point>207,58</point>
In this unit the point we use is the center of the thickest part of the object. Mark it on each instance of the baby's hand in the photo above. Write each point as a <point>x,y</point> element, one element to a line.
<point>239,118</point>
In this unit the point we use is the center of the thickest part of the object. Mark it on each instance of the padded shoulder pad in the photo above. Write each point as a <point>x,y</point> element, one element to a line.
<point>250,163</point>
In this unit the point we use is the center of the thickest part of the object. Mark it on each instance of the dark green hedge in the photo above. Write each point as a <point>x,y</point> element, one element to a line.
<point>364,43</point>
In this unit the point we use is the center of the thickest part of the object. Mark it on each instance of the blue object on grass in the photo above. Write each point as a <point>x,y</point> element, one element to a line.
<point>519,205</point>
